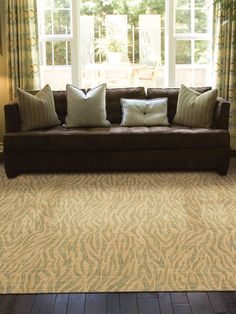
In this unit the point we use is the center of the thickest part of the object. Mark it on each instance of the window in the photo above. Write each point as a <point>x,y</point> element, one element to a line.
<point>55,42</point>
<point>125,43</point>
<point>193,42</point>
<point>122,42</point>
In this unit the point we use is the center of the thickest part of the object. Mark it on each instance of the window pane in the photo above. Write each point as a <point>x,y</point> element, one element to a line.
<point>61,4</point>
<point>183,21</point>
<point>183,75</point>
<point>201,76</point>
<point>202,52</point>
<point>183,3</point>
<point>69,52</point>
<point>41,47</point>
<point>201,21</point>
<point>48,22</point>
<point>202,3</point>
<point>61,22</point>
<point>183,69</point>
<point>59,53</point>
<point>183,52</point>
<point>45,4</point>
<point>48,53</point>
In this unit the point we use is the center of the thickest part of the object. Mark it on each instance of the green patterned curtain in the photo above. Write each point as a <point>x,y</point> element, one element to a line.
<point>23,45</point>
<point>224,43</point>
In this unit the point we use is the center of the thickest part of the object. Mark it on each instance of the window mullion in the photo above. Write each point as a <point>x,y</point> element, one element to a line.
<point>75,44</point>
<point>192,41</point>
<point>192,59</point>
<point>43,42</point>
<point>192,16</point>
<point>170,44</point>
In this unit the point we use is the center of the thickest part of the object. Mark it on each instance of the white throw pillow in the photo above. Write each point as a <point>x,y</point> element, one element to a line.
<point>86,110</point>
<point>144,112</point>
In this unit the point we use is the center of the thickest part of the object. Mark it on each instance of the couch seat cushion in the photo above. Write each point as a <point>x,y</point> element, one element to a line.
<point>115,138</point>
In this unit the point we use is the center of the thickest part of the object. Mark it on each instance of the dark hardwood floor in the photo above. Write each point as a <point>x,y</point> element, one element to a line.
<point>120,303</point>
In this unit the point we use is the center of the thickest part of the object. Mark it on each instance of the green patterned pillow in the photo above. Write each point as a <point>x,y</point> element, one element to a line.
<point>195,109</point>
<point>37,111</point>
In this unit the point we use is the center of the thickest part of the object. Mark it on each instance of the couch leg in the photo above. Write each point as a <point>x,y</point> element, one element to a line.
<point>222,171</point>
<point>11,174</point>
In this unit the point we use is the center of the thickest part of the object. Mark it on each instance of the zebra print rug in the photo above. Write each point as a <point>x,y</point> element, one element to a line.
<point>118,232</point>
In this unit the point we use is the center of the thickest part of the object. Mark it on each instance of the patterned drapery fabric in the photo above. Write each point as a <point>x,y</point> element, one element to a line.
<point>224,43</point>
<point>23,45</point>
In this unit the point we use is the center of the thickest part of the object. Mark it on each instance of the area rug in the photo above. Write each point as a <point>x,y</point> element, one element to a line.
<point>169,231</point>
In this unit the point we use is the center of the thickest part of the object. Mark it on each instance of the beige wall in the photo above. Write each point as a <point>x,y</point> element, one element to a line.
<point>4,94</point>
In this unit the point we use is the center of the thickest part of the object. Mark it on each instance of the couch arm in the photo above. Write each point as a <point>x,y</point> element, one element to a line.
<point>12,117</point>
<point>221,115</point>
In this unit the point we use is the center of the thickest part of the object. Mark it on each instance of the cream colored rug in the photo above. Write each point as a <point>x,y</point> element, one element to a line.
<point>118,232</point>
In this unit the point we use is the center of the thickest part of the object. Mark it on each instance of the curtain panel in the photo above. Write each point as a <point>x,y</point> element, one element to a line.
<point>224,45</point>
<point>23,45</point>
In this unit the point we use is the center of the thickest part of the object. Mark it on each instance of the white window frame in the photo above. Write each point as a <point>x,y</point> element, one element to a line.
<point>169,43</point>
<point>75,46</point>
<point>192,36</point>
<point>53,38</point>
<point>171,38</point>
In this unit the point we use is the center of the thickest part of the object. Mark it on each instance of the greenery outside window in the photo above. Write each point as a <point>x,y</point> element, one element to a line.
<point>193,34</point>
<point>125,43</point>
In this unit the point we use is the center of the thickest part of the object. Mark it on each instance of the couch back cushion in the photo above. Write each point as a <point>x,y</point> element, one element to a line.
<point>172,95</point>
<point>60,104</point>
<point>113,96</point>
<point>113,104</point>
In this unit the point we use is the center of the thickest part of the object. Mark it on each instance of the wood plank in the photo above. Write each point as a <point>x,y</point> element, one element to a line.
<point>9,304</point>
<point>128,303</point>
<point>113,303</point>
<point>165,303</point>
<point>3,300</point>
<point>179,297</point>
<point>76,303</point>
<point>230,301</point>
<point>182,309</point>
<point>233,297</point>
<point>217,302</point>
<point>62,298</point>
<point>148,306</point>
<point>144,295</point>
<point>44,303</point>
<point>24,304</point>
<point>95,303</point>
<point>200,303</point>
<point>60,308</point>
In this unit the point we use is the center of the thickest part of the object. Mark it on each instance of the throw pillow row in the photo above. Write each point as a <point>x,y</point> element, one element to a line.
<point>89,110</point>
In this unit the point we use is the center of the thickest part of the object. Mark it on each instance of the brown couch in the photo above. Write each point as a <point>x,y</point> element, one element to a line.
<point>118,148</point>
